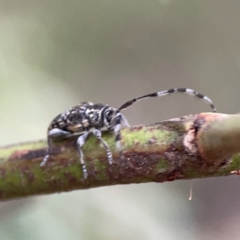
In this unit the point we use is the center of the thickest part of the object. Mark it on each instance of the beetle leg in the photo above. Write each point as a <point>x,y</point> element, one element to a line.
<point>98,134</point>
<point>54,133</point>
<point>80,142</point>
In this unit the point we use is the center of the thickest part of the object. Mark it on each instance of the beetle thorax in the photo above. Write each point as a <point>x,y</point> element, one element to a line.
<point>100,116</point>
<point>94,116</point>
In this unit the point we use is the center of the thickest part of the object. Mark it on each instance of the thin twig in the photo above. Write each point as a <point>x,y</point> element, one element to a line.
<point>195,146</point>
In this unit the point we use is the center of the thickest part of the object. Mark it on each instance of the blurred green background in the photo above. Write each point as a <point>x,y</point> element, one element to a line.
<point>55,54</point>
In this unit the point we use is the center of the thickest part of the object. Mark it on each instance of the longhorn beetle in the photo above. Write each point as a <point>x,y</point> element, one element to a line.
<point>92,118</point>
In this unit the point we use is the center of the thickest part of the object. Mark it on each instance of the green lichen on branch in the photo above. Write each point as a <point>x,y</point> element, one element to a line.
<point>181,148</point>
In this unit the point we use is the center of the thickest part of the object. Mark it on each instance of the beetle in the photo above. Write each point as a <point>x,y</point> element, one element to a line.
<point>93,118</point>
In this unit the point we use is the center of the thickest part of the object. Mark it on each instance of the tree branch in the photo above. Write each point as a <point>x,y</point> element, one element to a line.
<point>194,146</point>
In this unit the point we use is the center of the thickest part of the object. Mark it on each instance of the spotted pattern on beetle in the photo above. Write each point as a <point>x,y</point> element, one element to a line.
<point>93,118</point>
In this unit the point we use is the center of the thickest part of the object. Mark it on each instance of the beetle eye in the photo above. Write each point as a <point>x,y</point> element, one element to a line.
<point>109,113</point>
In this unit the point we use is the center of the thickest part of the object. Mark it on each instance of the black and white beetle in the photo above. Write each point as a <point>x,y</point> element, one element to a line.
<point>96,118</point>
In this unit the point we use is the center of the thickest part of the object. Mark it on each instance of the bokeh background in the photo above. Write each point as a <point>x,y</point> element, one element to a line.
<point>55,54</point>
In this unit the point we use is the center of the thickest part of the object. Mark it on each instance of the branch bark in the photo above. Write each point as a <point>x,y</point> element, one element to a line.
<point>194,146</point>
